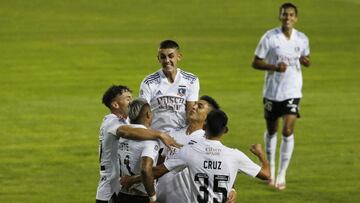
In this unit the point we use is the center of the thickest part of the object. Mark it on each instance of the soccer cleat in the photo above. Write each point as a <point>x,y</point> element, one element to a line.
<point>271,182</point>
<point>280,183</point>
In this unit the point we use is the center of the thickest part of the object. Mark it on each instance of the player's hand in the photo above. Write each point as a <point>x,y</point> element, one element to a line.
<point>305,61</point>
<point>126,182</point>
<point>257,149</point>
<point>281,67</point>
<point>232,197</point>
<point>169,141</point>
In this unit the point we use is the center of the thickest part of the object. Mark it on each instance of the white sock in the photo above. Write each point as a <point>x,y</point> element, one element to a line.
<point>286,149</point>
<point>270,148</point>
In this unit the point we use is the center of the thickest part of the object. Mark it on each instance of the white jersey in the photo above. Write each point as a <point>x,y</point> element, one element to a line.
<point>109,160</point>
<point>212,169</point>
<point>131,153</point>
<point>274,47</point>
<point>175,186</point>
<point>168,100</point>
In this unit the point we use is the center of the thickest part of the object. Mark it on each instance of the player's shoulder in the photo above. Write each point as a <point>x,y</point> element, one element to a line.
<point>112,119</point>
<point>188,76</point>
<point>300,35</point>
<point>152,78</point>
<point>272,33</point>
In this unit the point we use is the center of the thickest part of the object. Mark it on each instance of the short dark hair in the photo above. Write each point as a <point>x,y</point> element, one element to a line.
<point>288,5</point>
<point>169,44</point>
<point>211,101</point>
<point>137,110</point>
<point>112,92</point>
<point>216,122</point>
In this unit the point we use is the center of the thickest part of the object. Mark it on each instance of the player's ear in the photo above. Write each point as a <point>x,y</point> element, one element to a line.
<point>115,105</point>
<point>179,56</point>
<point>226,130</point>
<point>204,126</point>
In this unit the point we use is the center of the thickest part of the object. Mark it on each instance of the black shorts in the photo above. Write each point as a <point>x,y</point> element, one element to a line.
<point>124,198</point>
<point>113,199</point>
<point>274,109</point>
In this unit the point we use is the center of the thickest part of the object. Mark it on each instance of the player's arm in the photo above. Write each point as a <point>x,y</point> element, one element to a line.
<point>260,64</point>
<point>232,196</point>
<point>147,176</point>
<point>264,173</point>
<point>125,131</point>
<point>157,172</point>
<point>305,60</point>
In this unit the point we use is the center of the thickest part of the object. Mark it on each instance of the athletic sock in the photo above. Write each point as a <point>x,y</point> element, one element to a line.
<point>270,147</point>
<point>286,149</point>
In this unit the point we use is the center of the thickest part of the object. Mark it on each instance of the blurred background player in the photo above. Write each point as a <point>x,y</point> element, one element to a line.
<point>281,52</point>
<point>170,91</point>
<point>138,157</point>
<point>212,166</point>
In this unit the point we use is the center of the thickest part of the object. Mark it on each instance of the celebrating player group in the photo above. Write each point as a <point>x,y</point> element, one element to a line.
<point>165,146</point>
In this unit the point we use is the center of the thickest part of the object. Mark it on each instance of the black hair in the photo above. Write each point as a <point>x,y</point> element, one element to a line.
<point>211,101</point>
<point>288,5</point>
<point>169,44</point>
<point>216,122</point>
<point>112,92</point>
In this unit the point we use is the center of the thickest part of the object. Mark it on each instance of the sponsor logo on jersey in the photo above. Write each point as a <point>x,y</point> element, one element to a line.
<point>158,93</point>
<point>171,103</point>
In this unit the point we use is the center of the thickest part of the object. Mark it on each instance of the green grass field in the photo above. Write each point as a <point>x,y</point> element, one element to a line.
<point>58,57</point>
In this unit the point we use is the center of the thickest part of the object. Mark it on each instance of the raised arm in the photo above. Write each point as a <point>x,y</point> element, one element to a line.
<point>264,173</point>
<point>261,64</point>
<point>128,132</point>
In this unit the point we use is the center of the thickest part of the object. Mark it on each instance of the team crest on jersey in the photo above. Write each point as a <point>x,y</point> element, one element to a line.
<point>182,91</point>
<point>297,49</point>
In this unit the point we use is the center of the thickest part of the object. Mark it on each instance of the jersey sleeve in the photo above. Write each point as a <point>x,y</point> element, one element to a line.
<point>113,126</point>
<point>145,91</point>
<point>306,50</point>
<point>194,90</point>
<point>246,165</point>
<point>263,47</point>
<point>151,149</point>
<point>174,160</point>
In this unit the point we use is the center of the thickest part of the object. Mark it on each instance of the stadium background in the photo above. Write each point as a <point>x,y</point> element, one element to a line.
<point>58,57</point>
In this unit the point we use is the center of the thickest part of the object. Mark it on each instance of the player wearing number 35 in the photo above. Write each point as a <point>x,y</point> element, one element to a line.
<point>212,166</point>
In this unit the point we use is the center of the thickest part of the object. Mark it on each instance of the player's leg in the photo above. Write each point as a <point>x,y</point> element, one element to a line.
<point>291,113</point>
<point>113,199</point>
<point>270,136</point>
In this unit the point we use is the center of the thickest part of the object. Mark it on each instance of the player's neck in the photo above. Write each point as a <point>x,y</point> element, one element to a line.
<point>193,126</point>
<point>119,114</point>
<point>170,75</point>
<point>287,32</point>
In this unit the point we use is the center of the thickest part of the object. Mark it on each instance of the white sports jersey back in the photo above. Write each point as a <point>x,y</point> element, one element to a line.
<point>131,153</point>
<point>212,169</point>
<point>168,100</point>
<point>109,160</point>
<point>274,47</point>
<point>175,186</point>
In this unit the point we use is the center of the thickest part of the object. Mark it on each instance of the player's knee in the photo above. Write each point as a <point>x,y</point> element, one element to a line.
<point>287,132</point>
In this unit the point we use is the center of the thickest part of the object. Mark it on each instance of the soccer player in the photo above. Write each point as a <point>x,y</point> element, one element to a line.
<point>281,52</point>
<point>212,166</point>
<point>138,157</point>
<point>175,186</point>
<point>170,91</point>
<point>114,126</point>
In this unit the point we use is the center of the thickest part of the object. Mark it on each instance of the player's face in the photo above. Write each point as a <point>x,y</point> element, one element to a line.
<point>288,18</point>
<point>199,111</point>
<point>169,58</point>
<point>123,102</point>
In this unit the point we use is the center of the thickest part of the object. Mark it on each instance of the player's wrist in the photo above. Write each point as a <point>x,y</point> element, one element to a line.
<point>152,198</point>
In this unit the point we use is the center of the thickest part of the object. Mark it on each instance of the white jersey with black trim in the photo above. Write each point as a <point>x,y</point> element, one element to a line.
<point>212,168</point>
<point>168,100</point>
<point>175,186</point>
<point>109,160</point>
<point>131,153</point>
<point>274,47</point>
